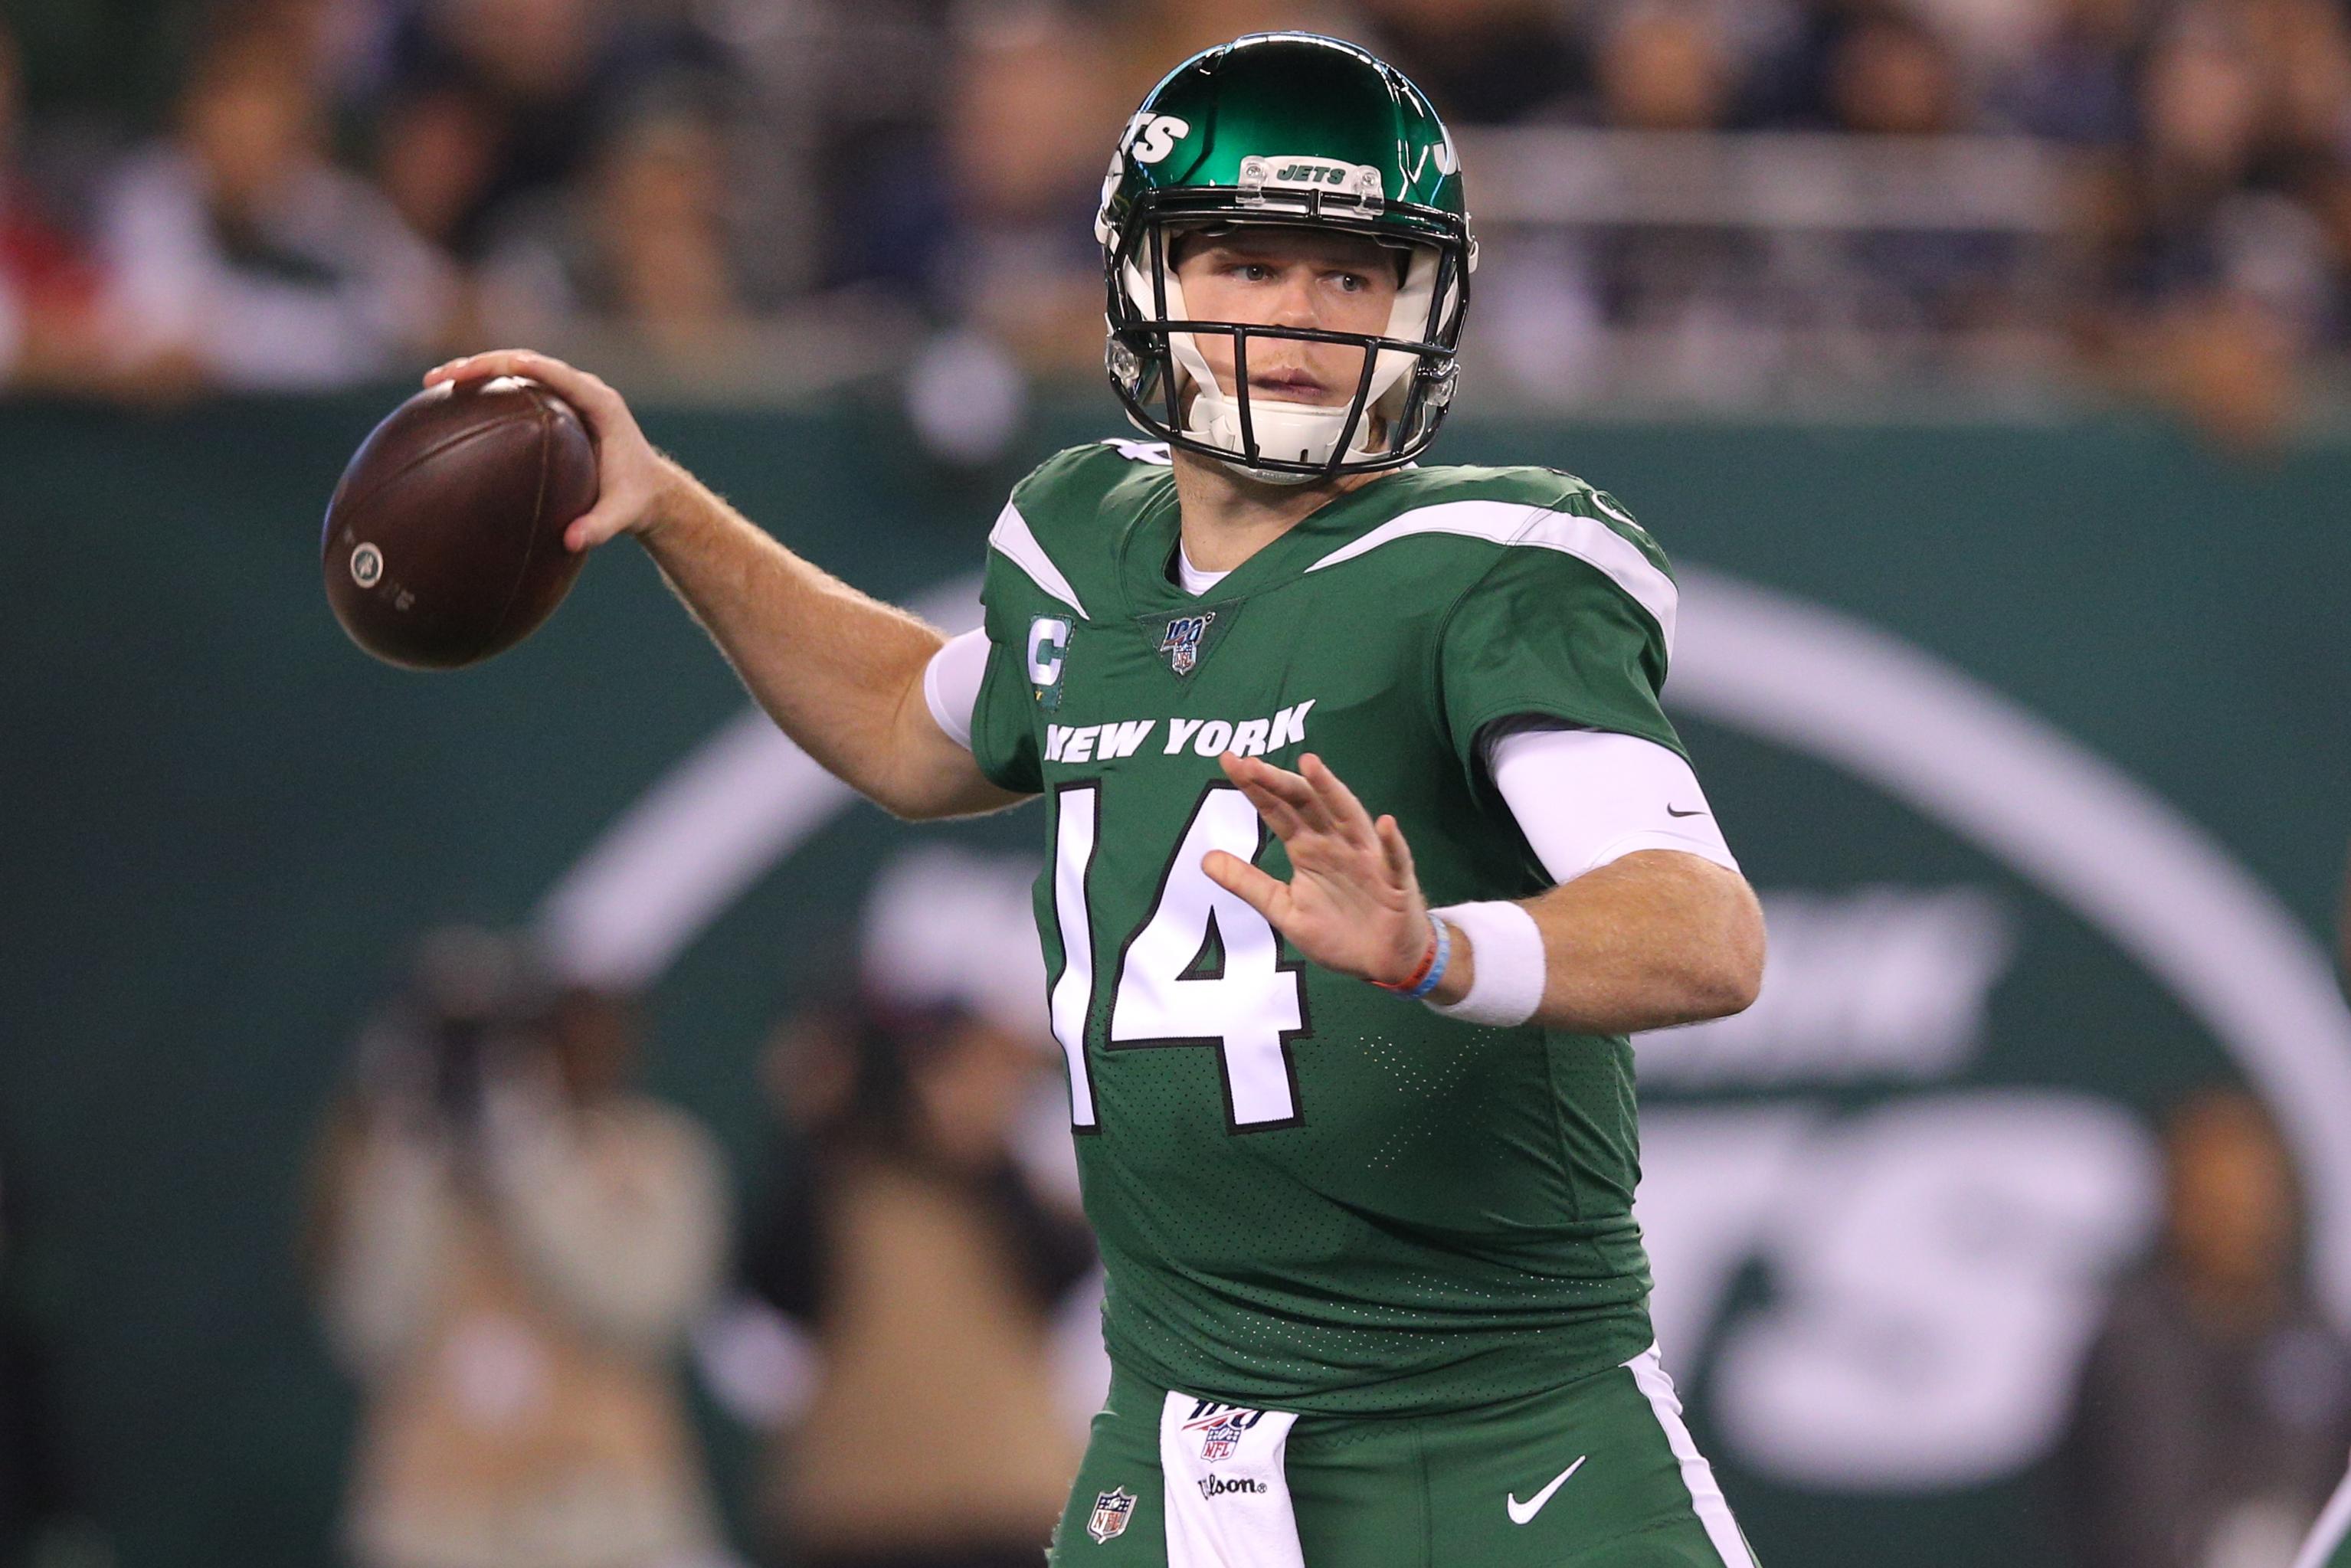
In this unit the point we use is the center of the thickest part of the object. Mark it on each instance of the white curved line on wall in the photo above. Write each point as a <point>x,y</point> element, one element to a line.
<point>710,828</point>
<point>2160,887</point>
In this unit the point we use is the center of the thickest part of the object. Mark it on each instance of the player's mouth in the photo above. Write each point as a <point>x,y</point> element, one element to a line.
<point>1295,385</point>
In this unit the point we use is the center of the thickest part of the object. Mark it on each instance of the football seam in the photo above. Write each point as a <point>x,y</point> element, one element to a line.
<point>349,509</point>
<point>540,416</point>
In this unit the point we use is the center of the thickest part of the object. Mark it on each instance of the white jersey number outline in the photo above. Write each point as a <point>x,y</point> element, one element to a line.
<point>1203,969</point>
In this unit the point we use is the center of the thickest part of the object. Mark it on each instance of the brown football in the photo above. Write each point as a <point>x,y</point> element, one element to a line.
<point>443,543</point>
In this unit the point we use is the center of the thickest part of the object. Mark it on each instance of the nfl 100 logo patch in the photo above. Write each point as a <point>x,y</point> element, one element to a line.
<point>1182,643</point>
<point>1111,1510</point>
<point>1221,1427</point>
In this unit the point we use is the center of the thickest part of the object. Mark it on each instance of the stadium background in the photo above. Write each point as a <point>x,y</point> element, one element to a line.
<point>2016,673</point>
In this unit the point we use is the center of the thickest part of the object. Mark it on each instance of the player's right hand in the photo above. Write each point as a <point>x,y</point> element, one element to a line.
<point>634,482</point>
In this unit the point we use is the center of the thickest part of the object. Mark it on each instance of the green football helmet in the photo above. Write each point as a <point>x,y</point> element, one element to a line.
<point>1288,130</point>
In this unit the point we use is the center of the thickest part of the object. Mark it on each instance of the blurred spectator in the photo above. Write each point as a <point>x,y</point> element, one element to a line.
<point>240,255</point>
<point>2076,84</point>
<point>642,246</point>
<point>2217,279</point>
<point>2215,1407</point>
<point>1485,62</point>
<point>49,334</point>
<point>733,193</point>
<point>901,1233</point>
<point>1665,67</point>
<point>1031,119</point>
<point>511,1246</point>
<point>1890,75</point>
<point>486,103</point>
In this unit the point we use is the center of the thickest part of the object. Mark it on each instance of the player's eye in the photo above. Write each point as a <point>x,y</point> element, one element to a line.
<point>1352,282</point>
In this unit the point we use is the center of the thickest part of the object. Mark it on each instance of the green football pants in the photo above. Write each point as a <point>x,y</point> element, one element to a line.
<point>1599,1474</point>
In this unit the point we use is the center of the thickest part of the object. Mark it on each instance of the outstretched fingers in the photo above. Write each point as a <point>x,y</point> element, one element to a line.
<point>1276,811</point>
<point>1336,801</point>
<point>1397,853</point>
<point>1288,794</point>
<point>1261,891</point>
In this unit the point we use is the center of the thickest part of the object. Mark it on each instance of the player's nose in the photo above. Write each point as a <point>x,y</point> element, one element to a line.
<point>1296,303</point>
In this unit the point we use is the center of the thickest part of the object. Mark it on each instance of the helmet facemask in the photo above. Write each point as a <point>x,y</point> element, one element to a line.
<point>1171,392</point>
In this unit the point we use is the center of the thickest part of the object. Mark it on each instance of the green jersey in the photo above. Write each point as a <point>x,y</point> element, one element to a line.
<point>1311,1194</point>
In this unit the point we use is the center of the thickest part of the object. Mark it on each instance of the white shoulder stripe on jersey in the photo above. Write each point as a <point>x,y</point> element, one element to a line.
<point>1010,538</point>
<point>1588,540</point>
<point>1154,452</point>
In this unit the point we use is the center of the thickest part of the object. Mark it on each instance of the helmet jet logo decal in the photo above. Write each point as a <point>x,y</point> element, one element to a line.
<point>1438,154</point>
<point>1151,137</point>
<point>1298,131</point>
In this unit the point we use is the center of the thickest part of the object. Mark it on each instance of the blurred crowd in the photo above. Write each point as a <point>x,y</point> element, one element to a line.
<point>2213,1410</point>
<point>517,1254</point>
<point>520,1257</point>
<point>732,194</point>
<point>508,1244</point>
<point>528,1266</point>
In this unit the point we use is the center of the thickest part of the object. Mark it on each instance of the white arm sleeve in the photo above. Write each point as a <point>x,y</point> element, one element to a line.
<point>951,684</point>
<point>1586,796</point>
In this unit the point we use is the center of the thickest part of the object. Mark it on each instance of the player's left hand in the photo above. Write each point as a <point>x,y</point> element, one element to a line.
<point>1352,901</point>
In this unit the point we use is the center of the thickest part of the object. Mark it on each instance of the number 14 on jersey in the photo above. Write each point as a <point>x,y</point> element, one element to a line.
<point>1203,969</point>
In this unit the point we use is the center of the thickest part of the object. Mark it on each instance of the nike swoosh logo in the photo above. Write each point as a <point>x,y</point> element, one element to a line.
<point>1522,1512</point>
<point>1693,812</point>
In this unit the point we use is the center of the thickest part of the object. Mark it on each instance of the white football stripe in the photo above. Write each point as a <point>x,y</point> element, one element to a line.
<point>1010,538</point>
<point>1588,540</point>
<point>1722,1531</point>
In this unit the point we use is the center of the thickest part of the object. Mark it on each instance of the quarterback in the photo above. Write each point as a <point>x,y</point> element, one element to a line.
<point>1368,844</point>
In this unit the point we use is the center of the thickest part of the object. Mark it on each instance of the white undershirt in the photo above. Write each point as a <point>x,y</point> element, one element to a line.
<point>1190,577</point>
<point>1582,797</point>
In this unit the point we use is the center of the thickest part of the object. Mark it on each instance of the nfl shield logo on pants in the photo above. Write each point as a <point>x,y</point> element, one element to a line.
<point>1111,1510</point>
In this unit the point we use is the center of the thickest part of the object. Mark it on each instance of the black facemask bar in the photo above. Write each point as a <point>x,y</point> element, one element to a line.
<point>1141,361</point>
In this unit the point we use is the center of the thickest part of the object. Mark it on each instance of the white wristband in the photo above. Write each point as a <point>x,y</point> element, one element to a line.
<point>1506,949</point>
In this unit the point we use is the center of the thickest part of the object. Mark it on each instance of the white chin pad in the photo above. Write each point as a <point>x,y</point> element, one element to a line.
<point>1287,431</point>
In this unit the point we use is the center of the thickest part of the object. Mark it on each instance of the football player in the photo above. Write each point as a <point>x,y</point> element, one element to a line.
<point>1369,844</point>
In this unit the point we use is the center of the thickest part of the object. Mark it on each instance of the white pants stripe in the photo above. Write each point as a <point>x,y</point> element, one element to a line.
<point>1649,1375</point>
